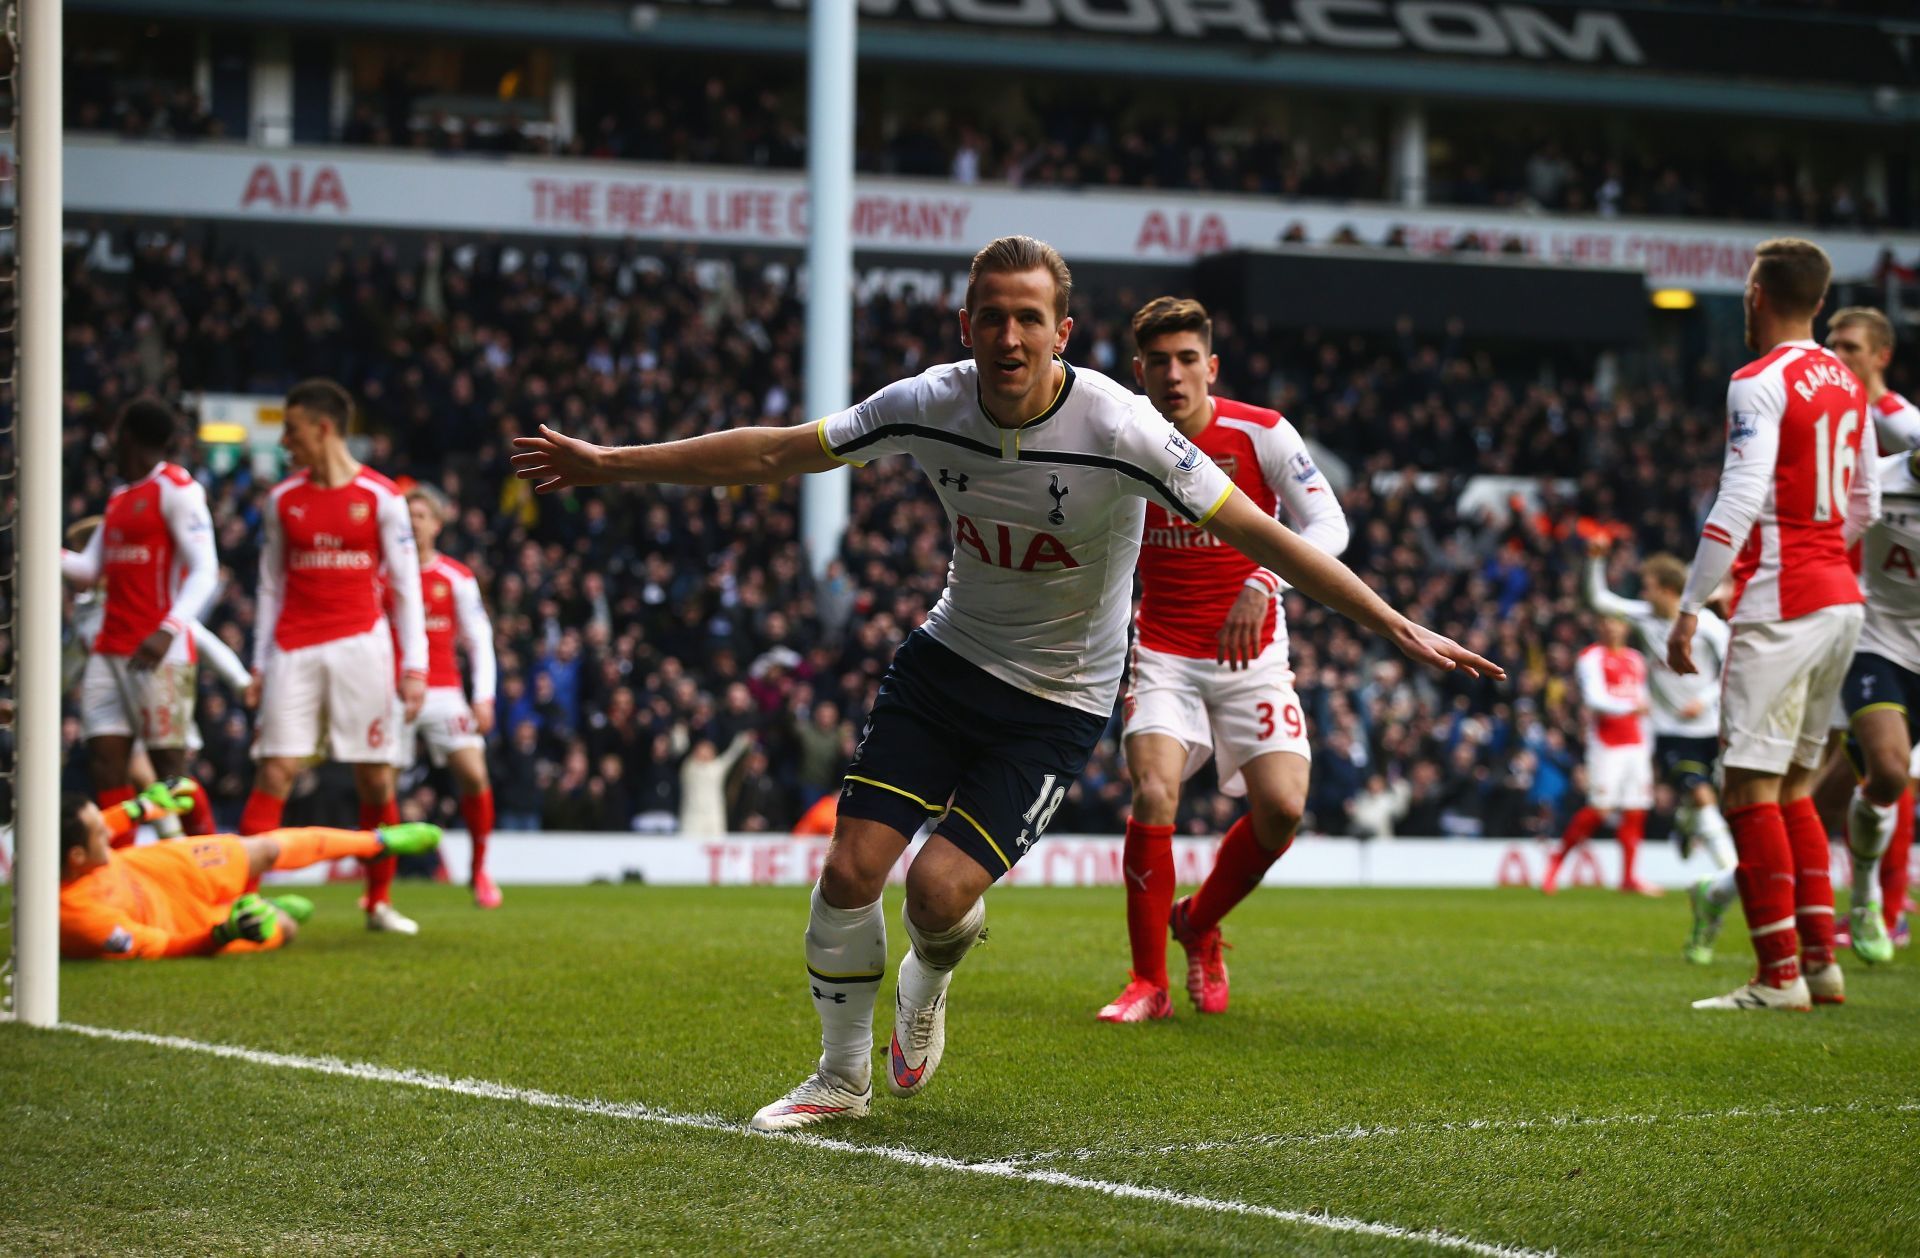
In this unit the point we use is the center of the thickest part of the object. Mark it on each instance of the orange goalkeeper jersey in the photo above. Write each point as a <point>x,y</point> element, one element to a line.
<point>162,900</point>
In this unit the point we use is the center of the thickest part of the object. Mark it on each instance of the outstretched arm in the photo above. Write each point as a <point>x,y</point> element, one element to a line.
<point>740,456</point>
<point>1320,576</point>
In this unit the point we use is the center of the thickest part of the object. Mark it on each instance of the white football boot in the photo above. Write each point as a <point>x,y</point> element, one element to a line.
<point>821,1098</point>
<point>1827,985</point>
<point>383,916</point>
<point>1762,996</point>
<point>919,1037</point>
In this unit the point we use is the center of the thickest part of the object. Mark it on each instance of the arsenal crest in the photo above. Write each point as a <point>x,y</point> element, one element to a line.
<point>1230,464</point>
<point>358,512</point>
<point>440,589</point>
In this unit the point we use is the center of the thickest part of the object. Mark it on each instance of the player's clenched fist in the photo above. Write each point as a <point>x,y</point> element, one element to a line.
<point>554,460</point>
<point>252,918</point>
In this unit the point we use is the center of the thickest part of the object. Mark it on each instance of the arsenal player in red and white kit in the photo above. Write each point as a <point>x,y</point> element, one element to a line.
<point>335,532</point>
<point>1797,490</point>
<point>1615,693</point>
<point>154,554</point>
<point>454,730</point>
<point>1210,673</point>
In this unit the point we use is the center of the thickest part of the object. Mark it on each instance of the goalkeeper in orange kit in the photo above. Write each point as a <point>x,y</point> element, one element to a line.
<point>191,896</point>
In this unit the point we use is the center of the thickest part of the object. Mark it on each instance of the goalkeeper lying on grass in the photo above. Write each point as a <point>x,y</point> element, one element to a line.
<point>191,897</point>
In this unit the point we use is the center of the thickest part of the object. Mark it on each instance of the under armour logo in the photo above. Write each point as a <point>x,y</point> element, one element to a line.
<point>959,482</point>
<point>1059,491</point>
<point>838,998</point>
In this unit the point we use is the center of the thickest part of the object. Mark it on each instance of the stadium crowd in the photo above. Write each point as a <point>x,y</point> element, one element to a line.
<point>667,659</point>
<point>754,116</point>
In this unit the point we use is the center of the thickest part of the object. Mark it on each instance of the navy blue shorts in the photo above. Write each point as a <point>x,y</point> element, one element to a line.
<point>1875,683</point>
<point>1685,761</point>
<point>948,740</point>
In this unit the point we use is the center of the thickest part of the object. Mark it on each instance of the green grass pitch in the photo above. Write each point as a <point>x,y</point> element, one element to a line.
<point>1485,1068</point>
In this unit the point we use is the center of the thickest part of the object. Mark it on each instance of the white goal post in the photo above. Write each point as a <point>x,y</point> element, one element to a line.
<point>37,375</point>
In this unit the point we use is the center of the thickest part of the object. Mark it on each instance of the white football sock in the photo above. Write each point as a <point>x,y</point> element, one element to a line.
<point>1723,890</point>
<point>928,965</point>
<point>1710,825</point>
<point>1869,830</point>
<point>846,958</point>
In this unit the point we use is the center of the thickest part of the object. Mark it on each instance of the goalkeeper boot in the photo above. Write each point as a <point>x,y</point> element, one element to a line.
<point>1707,917</point>
<point>1794,997</point>
<point>1206,966</point>
<point>409,838</point>
<point>821,1097</point>
<point>1138,1001</point>
<point>297,907</point>
<point>1827,985</point>
<point>383,916</point>
<point>1868,930</point>
<point>485,894</point>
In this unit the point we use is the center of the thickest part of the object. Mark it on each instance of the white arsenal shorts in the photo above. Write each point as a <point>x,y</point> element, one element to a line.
<point>1780,687</point>
<point>343,689</point>
<point>445,725</point>
<point>1234,716</point>
<point>154,706</point>
<point>1619,777</point>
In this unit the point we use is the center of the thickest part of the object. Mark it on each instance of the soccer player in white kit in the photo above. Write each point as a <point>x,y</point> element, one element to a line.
<point>1862,338</point>
<point>1797,489</point>
<point>1210,672</point>
<point>990,710</point>
<point>154,555</point>
<point>337,542</point>
<point>1619,754</point>
<point>453,729</point>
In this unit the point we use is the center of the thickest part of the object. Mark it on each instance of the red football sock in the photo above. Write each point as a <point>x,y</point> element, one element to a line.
<point>1765,878</point>
<point>199,818</point>
<point>262,813</point>
<point>1579,830</point>
<point>1633,825</point>
<point>1147,863</point>
<point>477,808</point>
<point>107,798</point>
<point>1894,863</point>
<point>380,872</point>
<point>1812,882</point>
<point>1237,870</point>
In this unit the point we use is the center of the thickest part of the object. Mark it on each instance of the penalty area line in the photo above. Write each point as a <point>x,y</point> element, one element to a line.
<point>635,1112</point>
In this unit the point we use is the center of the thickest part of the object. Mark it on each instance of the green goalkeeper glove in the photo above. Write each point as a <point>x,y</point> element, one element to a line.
<point>252,918</point>
<point>163,799</point>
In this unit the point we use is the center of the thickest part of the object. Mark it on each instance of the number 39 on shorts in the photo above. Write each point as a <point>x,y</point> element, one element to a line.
<point>1290,717</point>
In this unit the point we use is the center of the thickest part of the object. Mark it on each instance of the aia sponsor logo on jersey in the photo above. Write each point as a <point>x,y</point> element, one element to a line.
<point>1037,551</point>
<point>1184,450</point>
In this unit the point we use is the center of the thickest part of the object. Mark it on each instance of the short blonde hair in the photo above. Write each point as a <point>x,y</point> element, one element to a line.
<point>1879,327</point>
<point>1665,571</point>
<point>1011,254</point>
<point>432,496</point>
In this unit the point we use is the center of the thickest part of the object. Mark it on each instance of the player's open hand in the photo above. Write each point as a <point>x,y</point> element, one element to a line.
<point>1680,644</point>
<point>250,697</point>
<point>1441,653</point>
<point>554,461</point>
<point>1239,635</point>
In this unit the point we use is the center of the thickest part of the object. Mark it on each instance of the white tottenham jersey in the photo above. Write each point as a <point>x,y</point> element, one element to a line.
<point>1898,422</point>
<point>1046,518</point>
<point>1890,564</point>
<point>1672,693</point>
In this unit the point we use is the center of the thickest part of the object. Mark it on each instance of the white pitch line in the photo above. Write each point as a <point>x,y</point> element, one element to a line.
<point>1343,1135</point>
<point>634,1112</point>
